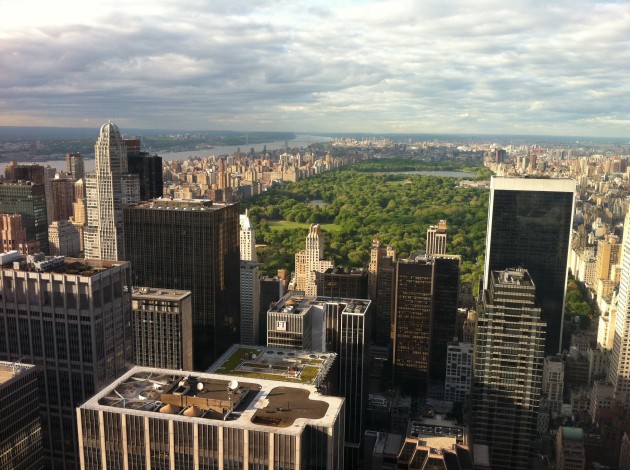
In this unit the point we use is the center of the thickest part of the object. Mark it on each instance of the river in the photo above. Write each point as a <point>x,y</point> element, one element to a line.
<point>301,141</point>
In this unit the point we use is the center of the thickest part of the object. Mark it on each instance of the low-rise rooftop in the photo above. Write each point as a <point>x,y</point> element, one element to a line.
<point>166,294</point>
<point>8,370</point>
<point>205,396</point>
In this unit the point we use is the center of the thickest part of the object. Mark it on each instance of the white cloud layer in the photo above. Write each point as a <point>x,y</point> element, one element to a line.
<point>488,66</point>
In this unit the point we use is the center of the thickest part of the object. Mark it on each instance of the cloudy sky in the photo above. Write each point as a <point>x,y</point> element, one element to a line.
<point>462,66</point>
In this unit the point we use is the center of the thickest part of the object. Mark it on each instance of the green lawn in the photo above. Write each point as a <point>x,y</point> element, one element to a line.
<point>236,358</point>
<point>285,224</point>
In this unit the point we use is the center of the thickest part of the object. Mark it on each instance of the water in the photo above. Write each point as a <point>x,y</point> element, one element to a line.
<point>301,141</point>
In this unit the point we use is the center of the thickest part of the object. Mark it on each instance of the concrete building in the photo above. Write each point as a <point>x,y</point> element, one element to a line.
<point>62,193</point>
<point>191,245</point>
<point>309,261</point>
<point>619,374</point>
<point>250,302</point>
<point>13,235</point>
<point>75,165</point>
<point>107,190</point>
<point>64,239</point>
<point>570,449</point>
<point>459,368</point>
<point>508,366</point>
<point>29,200</point>
<point>608,255</point>
<point>247,238</point>
<point>553,382</point>
<point>20,425</point>
<point>162,328</point>
<point>529,225</point>
<point>290,323</point>
<point>436,239</point>
<point>72,319</point>
<point>210,420</point>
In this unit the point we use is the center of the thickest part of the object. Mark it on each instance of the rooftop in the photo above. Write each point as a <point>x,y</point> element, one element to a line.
<point>438,432</point>
<point>286,365</point>
<point>165,294</point>
<point>179,204</point>
<point>56,264</point>
<point>8,370</point>
<point>297,302</point>
<point>187,396</point>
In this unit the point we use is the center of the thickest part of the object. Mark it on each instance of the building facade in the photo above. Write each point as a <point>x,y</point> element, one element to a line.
<point>29,200</point>
<point>13,235</point>
<point>20,424</point>
<point>250,302</point>
<point>349,283</point>
<point>64,239</point>
<point>508,365</point>
<point>107,190</point>
<point>309,261</point>
<point>529,225</point>
<point>190,245</point>
<point>72,319</point>
<point>459,368</point>
<point>436,238</point>
<point>162,328</point>
<point>210,421</point>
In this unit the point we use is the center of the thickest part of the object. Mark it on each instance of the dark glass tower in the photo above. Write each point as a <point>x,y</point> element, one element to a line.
<point>529,226</point>
<point>190,245</point>
<point>509,354</point>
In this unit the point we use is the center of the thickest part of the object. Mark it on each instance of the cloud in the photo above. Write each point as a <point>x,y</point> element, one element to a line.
<point>373,66</point>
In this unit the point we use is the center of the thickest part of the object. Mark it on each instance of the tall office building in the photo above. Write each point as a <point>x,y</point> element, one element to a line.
<point>147,167</point>
<point>529,226</point>
<point>64,239</point>
<point>459,368</point>
<point>62,193</point>
<point>210,421</point>
<point>250,302</point>
<point>508,364</point>
<point>310,260</point>
<point>377,253</point>
<point>20,424</point>
<point>190,245</point>
<point>247,238</point>
<point>424,294</point>
<point>75,165</point>
<point>107,190</point>
<point>72,319</point>
<point>34,173</point>
<point>271,291</point>
<point>436,239</point>
<point>349,283</point>
<point>619,372</point>
<point>162,328</point>
<point>382,323</point>
<point>29,200</point>
<point>346,332</point>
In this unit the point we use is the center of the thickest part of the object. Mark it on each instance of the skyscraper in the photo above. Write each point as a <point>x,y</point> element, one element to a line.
<point>436,239</point>
<point>310,260</point>
<point>508,365</point>
<point>29,200</point>
<point>72,319</point>
<point>247,238</point>
<point>107,189</point>
<point>529,226</point>
<point>619,373</point>
<point>349,283</point>
<point>75,166</point>
<point>424,294</point>
<point>147,167</point>
<point>377,253</point>
<point>162,328</point>
<point>190,245</point>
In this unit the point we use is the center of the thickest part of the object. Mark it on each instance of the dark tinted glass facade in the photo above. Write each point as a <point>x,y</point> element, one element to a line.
<point>532,229</point>
<point>187,245</point>
<point>28,200</point>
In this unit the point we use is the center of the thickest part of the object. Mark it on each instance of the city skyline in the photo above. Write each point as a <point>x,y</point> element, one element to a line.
<point>535,68</point>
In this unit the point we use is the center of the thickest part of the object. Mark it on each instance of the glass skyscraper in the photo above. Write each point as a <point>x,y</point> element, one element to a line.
<point>529,226</point>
